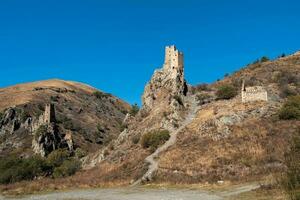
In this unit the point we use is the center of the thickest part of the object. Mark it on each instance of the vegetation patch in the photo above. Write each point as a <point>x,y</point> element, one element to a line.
<point>59,163</point>
<point>226,92</point>
<point>291,109</point>
<point>13,169</point>
<point>101,95</point>
<point>40,131</point>
<point>154,139</point>
<point>67,168</point>
<point>134,109</point>
<point>203,98</point>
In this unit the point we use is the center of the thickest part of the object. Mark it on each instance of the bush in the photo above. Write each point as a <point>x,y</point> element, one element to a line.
<point>226,92</point>
<point>203,98</point>
<point>13,169</point>
<point>264,59</point>
<point>101,95</point>
<point>291,178</point>
<point>57,157</point>
<point>80,153</point>
<point>134,109</point>
<point>291,109</point>
<point>68,168</point>
<point>154,139</point>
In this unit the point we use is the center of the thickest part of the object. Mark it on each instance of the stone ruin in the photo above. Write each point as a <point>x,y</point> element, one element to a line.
<point>255,93</point>
<point>50,140</point>
<point>169,80</point>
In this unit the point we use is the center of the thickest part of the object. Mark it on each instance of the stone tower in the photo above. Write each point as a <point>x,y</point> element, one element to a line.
<point>49,115</point>
<point>173,61</point>
<point>166,82</point>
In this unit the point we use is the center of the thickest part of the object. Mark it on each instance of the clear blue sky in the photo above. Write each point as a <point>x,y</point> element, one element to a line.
<point>115,45</point>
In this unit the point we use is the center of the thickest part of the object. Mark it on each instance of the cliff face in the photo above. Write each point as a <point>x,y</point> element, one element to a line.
<point>84,117</point>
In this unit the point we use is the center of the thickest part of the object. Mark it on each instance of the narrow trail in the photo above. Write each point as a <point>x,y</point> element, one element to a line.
<point>152,159</point>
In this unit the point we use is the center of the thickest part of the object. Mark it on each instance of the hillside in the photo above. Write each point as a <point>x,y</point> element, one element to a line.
<point>183,134</point>
<point>224,140</point>
<point>92,120</point>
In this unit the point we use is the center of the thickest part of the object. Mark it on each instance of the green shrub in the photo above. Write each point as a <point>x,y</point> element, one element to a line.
<point>203,98</point>
<point>134,109</point>
<point>13,169</point>
<point>290,109</point>
<point>80,153</point>
<point>226,92</point>
<point>264,59</point>
<point>57,157</point>
<point>101,95</point>
<point>67,168</point>
<point>154,139</point>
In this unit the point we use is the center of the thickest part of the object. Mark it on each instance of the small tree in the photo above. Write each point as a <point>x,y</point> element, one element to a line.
<point>134,109</point>
<point>264,59</point>
<point>226,92</point>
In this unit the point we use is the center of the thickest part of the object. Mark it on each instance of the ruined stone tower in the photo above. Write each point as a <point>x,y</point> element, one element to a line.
<point>49,115</point>
<point>173,61</point>
<point>166,82</point>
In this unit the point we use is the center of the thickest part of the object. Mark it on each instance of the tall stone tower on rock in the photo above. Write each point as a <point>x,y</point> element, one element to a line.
<point>49,115</point>
<point>166,82</point>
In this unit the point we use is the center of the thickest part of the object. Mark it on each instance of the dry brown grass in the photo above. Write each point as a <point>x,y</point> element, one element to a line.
<point>254,148</point>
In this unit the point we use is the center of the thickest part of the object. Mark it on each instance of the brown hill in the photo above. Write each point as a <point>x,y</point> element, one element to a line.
<point>93,117</point>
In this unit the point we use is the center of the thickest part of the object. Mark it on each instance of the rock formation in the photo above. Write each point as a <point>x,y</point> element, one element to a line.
<point>166,82</point>
<point>47,137</point>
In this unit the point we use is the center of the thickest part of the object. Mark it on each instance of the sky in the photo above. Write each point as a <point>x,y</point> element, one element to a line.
<point>115,45</point>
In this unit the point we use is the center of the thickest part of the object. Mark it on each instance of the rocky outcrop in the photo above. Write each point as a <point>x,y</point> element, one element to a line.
<point>11,121</point>
<point>167,83</point>
<point>47,137</point>
<point>17,122</point>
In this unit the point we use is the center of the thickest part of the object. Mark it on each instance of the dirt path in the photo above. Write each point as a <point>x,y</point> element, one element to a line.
<point>152,159</point>
<point>138,193</point>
